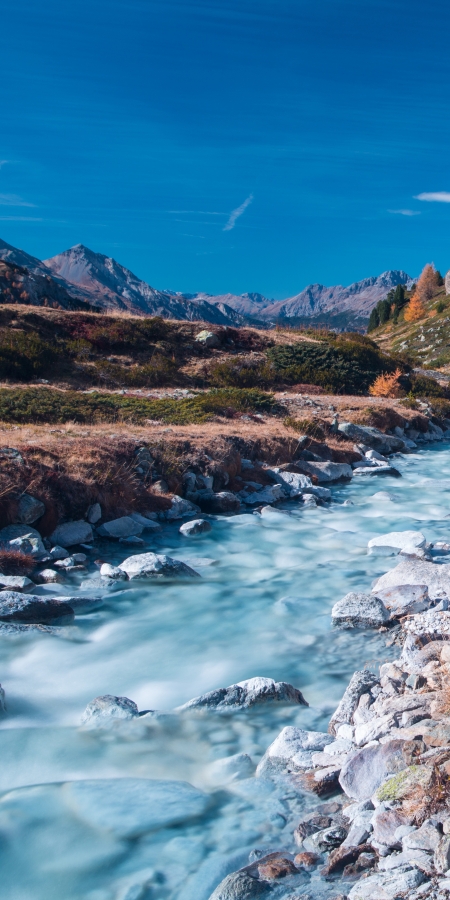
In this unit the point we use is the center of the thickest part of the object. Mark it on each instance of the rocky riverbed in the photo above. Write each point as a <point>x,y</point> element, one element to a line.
<point>244,694</point>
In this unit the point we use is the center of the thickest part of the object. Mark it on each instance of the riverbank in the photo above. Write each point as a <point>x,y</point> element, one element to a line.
<point>269,578</point>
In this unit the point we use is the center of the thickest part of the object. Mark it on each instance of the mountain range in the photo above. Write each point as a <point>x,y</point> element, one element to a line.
<point>79,277</point>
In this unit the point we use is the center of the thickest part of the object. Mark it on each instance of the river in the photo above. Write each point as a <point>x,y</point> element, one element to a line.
<point>162,644</point>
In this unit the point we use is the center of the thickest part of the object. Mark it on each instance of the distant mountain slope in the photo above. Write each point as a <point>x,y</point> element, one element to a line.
<point>110,285</point>
<point>20,285</point>
<point>104,283</point>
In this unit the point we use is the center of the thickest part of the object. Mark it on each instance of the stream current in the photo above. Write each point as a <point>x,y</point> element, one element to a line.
<point>261,607</point>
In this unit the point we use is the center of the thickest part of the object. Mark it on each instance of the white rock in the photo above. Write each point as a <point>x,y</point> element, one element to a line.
<point>357,610</point>
<point>153,565</point>
<point>418,572</point>
<point>208,339</point>
<point>292,751</point>
<point>147,524</point>
<point>112,572</point>
<point>70,533</point>
<point>293,483</point>
<point>49,576</point>
<point>196,526</point>
<point>245,694</point>
<point>59,553</point>
<point>405,599</point>
<point>17,583</point>
<point>328,471</point>
<point>124,527</point>
<point>398,540</point>
<point>108,707</point>
<point>180,508</point>
<point>269,494</point>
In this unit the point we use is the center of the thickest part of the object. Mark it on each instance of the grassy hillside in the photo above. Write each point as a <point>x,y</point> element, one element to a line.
<point>425,342</point>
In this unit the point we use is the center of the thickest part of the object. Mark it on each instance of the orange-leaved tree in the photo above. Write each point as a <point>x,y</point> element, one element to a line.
<point>387,385</point>
<point>425,289</point>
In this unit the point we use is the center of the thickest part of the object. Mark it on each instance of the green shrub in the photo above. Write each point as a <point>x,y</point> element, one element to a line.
<point>25,356</point>
<point>235,373</point>
<point>305,426</point>
<point>157,372</point>
<point>441,306</point>
<point>51,406</point>
<point>342,366</point>
<point>424,386</point>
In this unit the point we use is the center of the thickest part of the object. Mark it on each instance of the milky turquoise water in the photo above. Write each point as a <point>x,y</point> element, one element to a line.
<point>163,644</point>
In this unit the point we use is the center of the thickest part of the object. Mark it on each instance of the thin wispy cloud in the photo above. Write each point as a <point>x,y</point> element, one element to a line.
<point>235,215</point>
<point>20,219</point>
<point>195,212</point>
<point>435,197</point>
<point>404,212</point>
<point>13,200</point>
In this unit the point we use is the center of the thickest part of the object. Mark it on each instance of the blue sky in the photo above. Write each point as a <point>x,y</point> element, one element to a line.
<point>229,145</point>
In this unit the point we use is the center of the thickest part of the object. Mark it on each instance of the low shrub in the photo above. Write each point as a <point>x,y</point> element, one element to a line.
<point>425,386</point>
<point>25,356</point>
<point>440,407</point>
<point>160,371</point>
<point>305,426</point>
<point>53,407</point>
<point>236,373</point>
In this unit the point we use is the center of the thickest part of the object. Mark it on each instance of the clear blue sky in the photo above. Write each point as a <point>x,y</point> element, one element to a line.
<point>136,127</point>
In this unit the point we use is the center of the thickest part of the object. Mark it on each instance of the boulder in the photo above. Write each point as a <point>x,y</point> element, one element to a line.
<point>419,572</point>
<point>240,886</point>
<point>291,751</point>
<point>112,573</point>
<point>196,526</point>
<point>208,339</point>
<point>388,885</point>
<point>293,482</point>
<point>19,583</point>
<point>360,683</point>
<point>29,608</point>
<point>124,527</point>
<point>153,565</point>
<point>70,533</point>
<point>405,599</point>
<point>129,807</point>
<point>29,509</point>
<point>103,709</point>
<point>49,576</point>
<point>147,524</point>
<point>357,610</point>
<point>327,471</point>
<point>442,855</point>
<point>94,514</point>
<point>23,538</point>
<point>372,437</point>
<point>398,540</point>
<point>59,553</point>
<point>180,508</point>
<point>269,494</point>
<point>222,502</point>
<point>368,768</point>
<point>245,694</point>
<point>368,471</point>
<point>385,823</point>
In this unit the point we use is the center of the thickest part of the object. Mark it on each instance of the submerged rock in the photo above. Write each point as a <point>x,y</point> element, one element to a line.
<point>357,610</point>
<point>2,700</point>
<point>112,573</point>
<point>246,694</point>
<point>398,540</point>
<point>129,807</point>
<point>153,565</point>
<point>221,502</point>
<point>103,709</point>
<point>196,526</point>
<point>29,608</point>
<point>240,886</point>
<point>292,751</point>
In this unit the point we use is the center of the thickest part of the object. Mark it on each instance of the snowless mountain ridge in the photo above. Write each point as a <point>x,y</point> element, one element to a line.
<point>104,283</point>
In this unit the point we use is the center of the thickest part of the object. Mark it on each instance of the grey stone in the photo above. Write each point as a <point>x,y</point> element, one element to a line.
<point>292,751</point>
<point>293,482</point>
<point>94,514</point>
<point>247,693</point>
<point>369,471</point>
<point>11,532</point>
<point>132,540</point>
<point>328,471</point>
<point>240,886</point>
<point>372,437</point>
<point>180,508</point>
<point>398,540</point>
<point>427,837</point>
<point>29,608</point>
<point>405,599</point>
<point>385,823</point>
<point>17,583</point>
<point>368,768</point>
<point>123,527</point>
<point>70,533</point>
<point>359,832</point>
<point>196,526</point>
<point>59,553</point>
<point>29,509</point>
<point>221,502</point>
<point>360,683</point>
<point>418,572</point>
<point>28,545</point>
<point>147,524</point>
<point>357,610</point>
<point>49,576</point>
<point>103,709</point>
<point>129,807</point>
<point>388,885</point>
<point>442,855</point>
<point>353,810</point>
<point>112,572</point>
<point>269,494</point>
<point>153,565</point>
<point>208,339</point>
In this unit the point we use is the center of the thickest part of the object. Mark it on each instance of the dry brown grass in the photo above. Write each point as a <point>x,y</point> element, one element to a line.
<point>13,562</point>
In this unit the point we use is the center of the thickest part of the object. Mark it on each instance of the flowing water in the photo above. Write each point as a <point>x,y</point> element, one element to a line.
<point>162,644</point>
